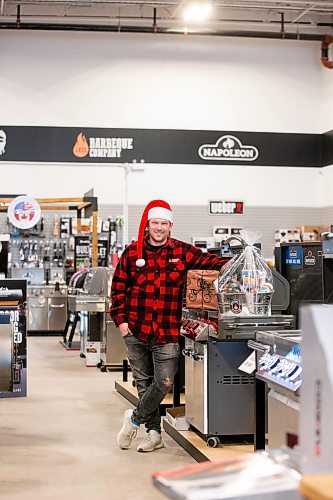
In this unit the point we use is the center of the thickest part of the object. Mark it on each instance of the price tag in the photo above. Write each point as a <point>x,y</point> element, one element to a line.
<point>249,365</point>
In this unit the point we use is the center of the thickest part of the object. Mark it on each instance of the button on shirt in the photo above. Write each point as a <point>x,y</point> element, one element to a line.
<point>150,298</point>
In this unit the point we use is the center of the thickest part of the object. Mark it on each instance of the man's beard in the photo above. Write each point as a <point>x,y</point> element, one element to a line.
<point>159,238</point>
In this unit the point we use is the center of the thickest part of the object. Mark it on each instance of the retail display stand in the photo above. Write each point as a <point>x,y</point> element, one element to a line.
<point>43,261</point>
<point>13,333</point>
<point>317,389</point>
<point>86,203</point>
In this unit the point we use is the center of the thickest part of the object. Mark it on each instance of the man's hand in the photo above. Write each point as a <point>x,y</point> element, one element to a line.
<point>124,330</point>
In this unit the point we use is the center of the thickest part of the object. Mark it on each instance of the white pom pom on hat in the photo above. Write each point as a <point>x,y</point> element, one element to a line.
<point>156,209</point>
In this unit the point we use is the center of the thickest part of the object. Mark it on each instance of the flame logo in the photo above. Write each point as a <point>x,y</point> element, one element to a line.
<point>229,143</point>
<point>81,147</point>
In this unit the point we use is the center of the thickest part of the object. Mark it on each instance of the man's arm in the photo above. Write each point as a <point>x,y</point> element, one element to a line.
<point>118,291</point>
<point>196,259</point>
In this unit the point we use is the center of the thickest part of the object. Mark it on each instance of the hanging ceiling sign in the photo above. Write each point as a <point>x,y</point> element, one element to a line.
<point>226,207</point>
<point>163,146</point>
<point>24,212</point>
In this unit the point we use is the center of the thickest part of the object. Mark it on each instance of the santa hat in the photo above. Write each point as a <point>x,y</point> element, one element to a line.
<point>156,209</point>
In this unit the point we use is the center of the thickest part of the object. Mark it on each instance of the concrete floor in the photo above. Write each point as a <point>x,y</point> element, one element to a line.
<point>60,441</point>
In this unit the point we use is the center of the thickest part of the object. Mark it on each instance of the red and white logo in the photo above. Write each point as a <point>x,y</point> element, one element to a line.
<point>24,212</point>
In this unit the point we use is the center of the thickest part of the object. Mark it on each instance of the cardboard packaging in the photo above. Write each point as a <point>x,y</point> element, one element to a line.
<point>93,353</point>
<point>312,233</point>
<point>176,418</point>
<point>200,290</point>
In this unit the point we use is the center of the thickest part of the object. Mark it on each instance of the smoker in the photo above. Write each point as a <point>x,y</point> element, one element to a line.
<point>91,302</point>
<point>308,267</point>
<point>219,397</point>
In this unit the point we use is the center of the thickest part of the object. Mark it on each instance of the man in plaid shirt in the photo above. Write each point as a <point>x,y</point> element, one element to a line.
<point>146,305</point>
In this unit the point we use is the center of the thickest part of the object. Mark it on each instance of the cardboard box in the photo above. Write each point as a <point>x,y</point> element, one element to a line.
<point>312,233</point>
<point>287,236</point>
<point>200,290</point>
<point>176,418</point>
<point>93,353</point>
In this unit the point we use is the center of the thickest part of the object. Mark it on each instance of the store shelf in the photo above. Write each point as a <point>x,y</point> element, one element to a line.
<point>191,442</point>
<point>317,487</point>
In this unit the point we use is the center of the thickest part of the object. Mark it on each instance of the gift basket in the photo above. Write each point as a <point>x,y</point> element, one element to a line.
<point>245,285</point>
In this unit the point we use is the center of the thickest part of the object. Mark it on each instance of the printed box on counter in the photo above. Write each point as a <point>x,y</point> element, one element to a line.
<point>200,290</point>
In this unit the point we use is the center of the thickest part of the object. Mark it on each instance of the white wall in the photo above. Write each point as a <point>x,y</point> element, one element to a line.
<point>150,81</point>
<point>326,125</point>
<point>257,186</point>
<point>327,186</point>
<point>327,95</point>
<point>159,81</point>
<point>179,184</point>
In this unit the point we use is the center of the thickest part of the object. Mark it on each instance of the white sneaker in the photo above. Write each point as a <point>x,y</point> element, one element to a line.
<point>128,431</point>
<point>152,441</point>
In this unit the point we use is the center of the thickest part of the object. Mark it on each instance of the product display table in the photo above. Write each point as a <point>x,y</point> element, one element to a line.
<point>195,446</point>
<point>317,487</point>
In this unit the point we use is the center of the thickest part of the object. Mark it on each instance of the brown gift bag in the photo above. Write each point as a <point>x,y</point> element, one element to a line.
<point>200,290</point>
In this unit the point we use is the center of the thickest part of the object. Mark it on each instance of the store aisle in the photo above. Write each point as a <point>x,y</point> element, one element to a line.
<point>60,441</point>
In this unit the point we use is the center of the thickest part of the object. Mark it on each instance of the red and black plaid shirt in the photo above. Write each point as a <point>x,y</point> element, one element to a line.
<point>150,298</point>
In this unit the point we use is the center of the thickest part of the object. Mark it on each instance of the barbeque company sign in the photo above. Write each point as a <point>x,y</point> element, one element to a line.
<point>24,212</point>
<point>101,147</point>
<point>228,148</point>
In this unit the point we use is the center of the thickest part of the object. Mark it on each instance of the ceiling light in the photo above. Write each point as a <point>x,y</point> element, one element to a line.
<point>197,12</point>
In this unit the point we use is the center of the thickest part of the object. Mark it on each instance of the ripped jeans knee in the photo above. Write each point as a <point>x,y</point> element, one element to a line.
<point>168,384</point>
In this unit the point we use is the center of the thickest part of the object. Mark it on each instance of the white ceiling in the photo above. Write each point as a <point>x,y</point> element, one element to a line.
<point>288,19</point>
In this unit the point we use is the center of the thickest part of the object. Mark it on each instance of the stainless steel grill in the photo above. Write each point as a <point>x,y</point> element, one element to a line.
<point>47,307</point>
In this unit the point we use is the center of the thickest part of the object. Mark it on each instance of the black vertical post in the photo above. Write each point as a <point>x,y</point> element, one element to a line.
<point>283,33</point>
<point>259,414</point>
<point>125,370</point>
<point>179,381</point>
<point>72,332</point>
<point>154,20</point>
<point>18,16</point>
<point>176,389</point>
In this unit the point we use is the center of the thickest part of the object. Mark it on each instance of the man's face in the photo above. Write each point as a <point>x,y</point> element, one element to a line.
<point>159,230</point>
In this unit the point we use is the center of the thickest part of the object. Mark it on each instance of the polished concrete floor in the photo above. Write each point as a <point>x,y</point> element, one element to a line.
<point>60,441</point>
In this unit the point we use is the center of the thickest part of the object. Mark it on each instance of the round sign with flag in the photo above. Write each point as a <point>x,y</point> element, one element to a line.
<point>24,212</point>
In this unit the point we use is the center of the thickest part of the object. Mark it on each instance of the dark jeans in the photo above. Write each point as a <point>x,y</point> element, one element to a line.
<point>154,367</point>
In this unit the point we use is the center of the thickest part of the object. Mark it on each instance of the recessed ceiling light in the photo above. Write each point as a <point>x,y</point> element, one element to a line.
<point>197,12</point>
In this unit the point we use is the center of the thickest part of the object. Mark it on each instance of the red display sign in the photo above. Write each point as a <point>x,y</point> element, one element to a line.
<point>226,207</point>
